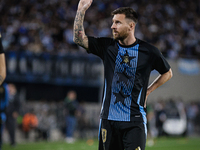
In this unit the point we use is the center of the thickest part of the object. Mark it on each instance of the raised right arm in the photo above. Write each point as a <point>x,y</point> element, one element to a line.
<point>78,32</point>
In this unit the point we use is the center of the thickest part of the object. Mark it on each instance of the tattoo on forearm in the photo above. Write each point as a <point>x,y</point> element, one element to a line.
<point>79,29</point>
<point>1,79</point>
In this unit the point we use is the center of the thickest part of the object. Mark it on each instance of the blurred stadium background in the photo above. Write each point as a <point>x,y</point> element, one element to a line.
<point>44,63</point>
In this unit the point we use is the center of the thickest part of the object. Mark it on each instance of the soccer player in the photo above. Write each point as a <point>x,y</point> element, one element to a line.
<point>128,62</point>
<point>2,63</point>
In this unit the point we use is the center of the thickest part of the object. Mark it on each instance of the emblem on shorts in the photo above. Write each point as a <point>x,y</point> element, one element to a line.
<point>104,135</point>
<point>138,148</point>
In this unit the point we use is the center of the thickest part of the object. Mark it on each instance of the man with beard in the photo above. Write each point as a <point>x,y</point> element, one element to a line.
<point>128,62</point>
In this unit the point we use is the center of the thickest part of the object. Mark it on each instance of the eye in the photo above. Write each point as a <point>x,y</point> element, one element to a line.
<point>117,22</point>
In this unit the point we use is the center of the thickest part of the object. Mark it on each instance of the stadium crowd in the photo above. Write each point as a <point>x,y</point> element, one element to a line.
<point>46,25</point>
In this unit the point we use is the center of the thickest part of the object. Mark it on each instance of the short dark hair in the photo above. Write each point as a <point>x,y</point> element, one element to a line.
<point>128,12</point>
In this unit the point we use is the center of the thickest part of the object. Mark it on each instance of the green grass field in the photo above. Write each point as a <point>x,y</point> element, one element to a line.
<point>159,144</point>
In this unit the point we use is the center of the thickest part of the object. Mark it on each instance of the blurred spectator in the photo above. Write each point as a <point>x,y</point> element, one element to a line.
<point>152,132</point>
<point>160,117</point>
<point>44,126</point>
<point>192,111</point>
<point>40,120</point>
<point>29,122</point>
<point>71,105</point>
<point>82,122</point>
<point>197,122</point>
<point>171,109</point>
<point>60,116</point>
<point>3,106</point>
<point>12,112</point>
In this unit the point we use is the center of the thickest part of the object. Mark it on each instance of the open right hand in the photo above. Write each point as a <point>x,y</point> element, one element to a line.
<point>84,4</point>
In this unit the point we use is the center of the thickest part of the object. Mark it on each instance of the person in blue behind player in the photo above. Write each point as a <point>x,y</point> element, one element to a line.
<point>128,62</point>
<point>3,105</point>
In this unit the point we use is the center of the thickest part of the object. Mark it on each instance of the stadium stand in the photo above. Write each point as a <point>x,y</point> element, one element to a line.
<point>46,25</point>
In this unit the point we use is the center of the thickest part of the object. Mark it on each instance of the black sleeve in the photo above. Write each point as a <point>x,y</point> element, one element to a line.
<point>98,46</point>
<point>1,47</point>
<point>159,62</point>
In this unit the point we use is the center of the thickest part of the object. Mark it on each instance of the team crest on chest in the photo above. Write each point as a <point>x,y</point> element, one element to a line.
<point>126,58</point>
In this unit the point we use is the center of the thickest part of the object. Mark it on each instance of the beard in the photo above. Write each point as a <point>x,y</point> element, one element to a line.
<point>120,35</point>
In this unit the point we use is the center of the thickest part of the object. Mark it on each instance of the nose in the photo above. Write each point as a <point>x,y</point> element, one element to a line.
<point>113,26</point>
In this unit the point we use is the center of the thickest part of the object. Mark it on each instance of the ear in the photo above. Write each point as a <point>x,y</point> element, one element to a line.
<point>132,25</point>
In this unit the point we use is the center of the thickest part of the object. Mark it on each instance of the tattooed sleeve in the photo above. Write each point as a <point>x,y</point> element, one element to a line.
<point>79,34</point>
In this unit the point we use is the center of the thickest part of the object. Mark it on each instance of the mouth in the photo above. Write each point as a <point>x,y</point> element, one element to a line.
<point>115,32</point>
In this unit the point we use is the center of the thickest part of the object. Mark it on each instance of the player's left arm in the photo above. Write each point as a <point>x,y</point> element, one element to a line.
<point>160,80</point>
<point>2,63</point>
<point>2,68</point>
